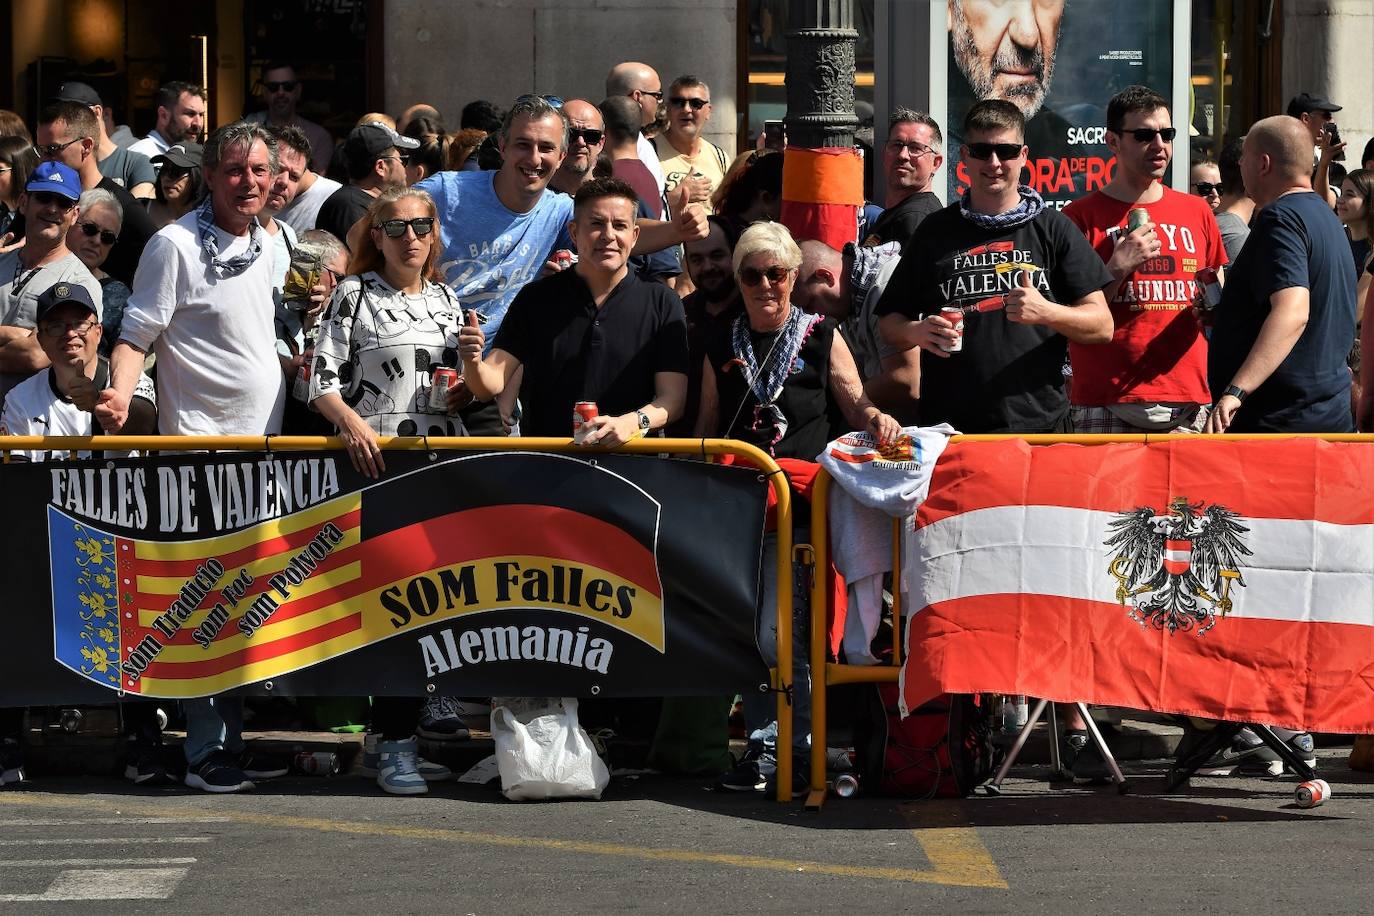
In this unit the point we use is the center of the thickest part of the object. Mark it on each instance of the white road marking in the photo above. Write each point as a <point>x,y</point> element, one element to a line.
<point>107,884</point>
<point>106,841</point>
<point>120,821</point>
<point>58,863</point>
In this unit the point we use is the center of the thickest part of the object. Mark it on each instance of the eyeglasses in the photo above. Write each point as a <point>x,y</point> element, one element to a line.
<point>54,149</point>
<point>283,86</point>
<point>656,93</point>
<point>395,228</point>
<point>1004,151</point>
<point>752,276</point>
<point>399,157</point>
<point>588,134</point>
<point>58,328</point>
<point>679,101</point>
<point>338,277</point>
<point>1146,134</point>
<point>915,149</point>
<point>106,236</point>
<point>1205,188</point>
<point>553,100</point>
<point>49,199</point>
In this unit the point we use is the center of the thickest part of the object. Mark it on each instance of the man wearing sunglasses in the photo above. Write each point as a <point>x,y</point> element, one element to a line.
<point>67,133</point>
<point>49,205</point>
<point>1152,377</point>
<point>586,140</point>
<point>1025,277</point>
<point>281,93</point>
<point>641,83</point>
<point>690,158</point>
<point>376,158</point>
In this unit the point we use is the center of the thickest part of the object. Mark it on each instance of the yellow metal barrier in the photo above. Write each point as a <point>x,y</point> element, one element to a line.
<point>707,449</point>
<point>825,673</point>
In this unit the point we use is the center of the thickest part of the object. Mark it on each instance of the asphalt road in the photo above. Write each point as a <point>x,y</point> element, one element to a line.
<point>653,845</point>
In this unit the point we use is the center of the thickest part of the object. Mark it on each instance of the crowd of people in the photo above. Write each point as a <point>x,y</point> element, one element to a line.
<point>266,280</point>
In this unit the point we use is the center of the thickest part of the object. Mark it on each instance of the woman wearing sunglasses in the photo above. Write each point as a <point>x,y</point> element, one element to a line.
<point>17,160</point>
<point>387,328</point>
<point>90,238</point>
<point>179,186</point>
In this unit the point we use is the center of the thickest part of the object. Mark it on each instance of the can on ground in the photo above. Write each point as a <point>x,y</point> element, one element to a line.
<point>1137,217</point>
<point>1312,793</point>
<point>955,316</point>
<point>444,380</point>
<point>846,785</point>
<point>583,413</point>
<point>318,763</point>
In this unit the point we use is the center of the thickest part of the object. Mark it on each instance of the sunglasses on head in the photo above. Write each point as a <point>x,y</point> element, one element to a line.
<point>679,101</point>
<point>1206,187</point>
<point>753,276</point>
<point>553,100</point>
<point>106,236</point>
<point>591,135</point>
<point>1004,151</point>
<point>395,228</point>
<point>1146,134</point>
<point>283,86</point>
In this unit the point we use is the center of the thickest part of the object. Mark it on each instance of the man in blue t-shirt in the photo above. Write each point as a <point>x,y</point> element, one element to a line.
<point>498,229</point>
<point>1287,316</point>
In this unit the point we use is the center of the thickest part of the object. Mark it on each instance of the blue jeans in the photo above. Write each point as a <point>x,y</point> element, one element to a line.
<point>212,724</point>
<point>761,708</point>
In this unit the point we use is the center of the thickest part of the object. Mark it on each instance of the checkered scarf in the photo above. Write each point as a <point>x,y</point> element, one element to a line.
<point>1028,209</point>
<point>205,223</point>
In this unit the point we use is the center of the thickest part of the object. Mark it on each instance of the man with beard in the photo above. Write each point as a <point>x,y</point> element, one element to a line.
<point>1006,51</point>
<point>586,139</point>
<point>180,118</point>
<point>711,308</point>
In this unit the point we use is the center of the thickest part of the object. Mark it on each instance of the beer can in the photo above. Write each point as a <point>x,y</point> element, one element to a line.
<point>1209,288</point>
<point>564,258</point>
<point>444,379</point>
<point>846,785</point>
<point>583,413</point>
<point>1312,793</point>
<point>317,763</point>
<point>954,316</point>
<point>1137,217</point>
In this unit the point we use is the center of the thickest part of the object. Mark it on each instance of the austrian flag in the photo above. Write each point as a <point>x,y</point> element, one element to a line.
<point>1227,579</point>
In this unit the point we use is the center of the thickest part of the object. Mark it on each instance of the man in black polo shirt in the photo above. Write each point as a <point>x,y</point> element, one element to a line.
<point>593,333</point>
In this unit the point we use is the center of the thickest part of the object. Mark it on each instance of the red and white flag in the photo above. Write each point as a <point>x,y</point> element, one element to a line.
<point>1227,579</point>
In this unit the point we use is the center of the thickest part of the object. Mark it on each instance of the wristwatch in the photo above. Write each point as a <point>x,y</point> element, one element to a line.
<point>1238,393</point>
<point>643,421</point>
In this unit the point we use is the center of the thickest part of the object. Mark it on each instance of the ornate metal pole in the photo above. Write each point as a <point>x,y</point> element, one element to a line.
<point>820,73</point>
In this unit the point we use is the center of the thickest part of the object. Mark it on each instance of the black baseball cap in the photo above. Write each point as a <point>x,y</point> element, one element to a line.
<point>367,142</point>
<point>61,294</point>
<point>81,93</point>
<point>1306,103</point>
<point>182,155</point>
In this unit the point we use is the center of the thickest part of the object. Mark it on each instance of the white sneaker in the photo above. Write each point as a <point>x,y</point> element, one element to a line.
<point>397,773</point>
<point>367,764</point>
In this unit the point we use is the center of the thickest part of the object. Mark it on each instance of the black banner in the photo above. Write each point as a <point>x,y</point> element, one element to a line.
<point>505,573</point>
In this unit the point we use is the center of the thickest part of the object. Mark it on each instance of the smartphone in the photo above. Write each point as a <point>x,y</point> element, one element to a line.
<point>772,135</point>
<point>1334,133</point>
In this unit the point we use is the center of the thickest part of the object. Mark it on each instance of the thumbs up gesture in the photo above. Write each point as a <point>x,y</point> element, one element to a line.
<point>1025,305</point>
<point>471,340</point>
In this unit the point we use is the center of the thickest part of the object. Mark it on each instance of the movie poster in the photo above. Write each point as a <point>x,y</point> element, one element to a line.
<point>1059,62</point>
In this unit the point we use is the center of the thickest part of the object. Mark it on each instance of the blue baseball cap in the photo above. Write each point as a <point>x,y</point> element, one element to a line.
<point>56,178</point>
<point>61,294</point>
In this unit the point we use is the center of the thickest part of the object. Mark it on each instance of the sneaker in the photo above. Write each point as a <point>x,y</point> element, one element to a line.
<point>261,766</point>
<point>367,764</point>
<point>397,772</point>
<point>11,762</point>
<point>218,773</point>
<point>143,762</point>
<point>753,771</point>
<point>1264,761</point>
<point>440,721</point>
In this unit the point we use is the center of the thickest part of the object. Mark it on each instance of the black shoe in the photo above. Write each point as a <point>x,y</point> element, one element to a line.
<point>143,762</point>
<point>1083,759</point>
<point>752,772</point>
<point>261,766</point>
<point>11,762</point>
<point>218,773</point>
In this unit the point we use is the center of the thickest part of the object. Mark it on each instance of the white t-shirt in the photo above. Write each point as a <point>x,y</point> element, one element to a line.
<point>215,341</point>
<point>34,407</point>
<point>302,212</point>
<point>648,154</point>
<point>152,145</point>
<point>378,349</point>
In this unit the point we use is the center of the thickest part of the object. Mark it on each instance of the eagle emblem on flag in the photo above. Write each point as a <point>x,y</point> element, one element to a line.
<point>1175,569</point>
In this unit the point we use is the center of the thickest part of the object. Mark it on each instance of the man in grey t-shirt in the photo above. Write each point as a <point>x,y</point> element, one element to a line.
<point>1236,209</point>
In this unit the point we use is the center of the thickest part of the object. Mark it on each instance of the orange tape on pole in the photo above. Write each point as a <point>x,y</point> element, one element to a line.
<point>822,191</point>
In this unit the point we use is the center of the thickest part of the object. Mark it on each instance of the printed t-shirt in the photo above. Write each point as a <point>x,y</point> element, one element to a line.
<point>35,407</point>
<point>710,163</point>
<point>1158,354</point>
<point>1008,377</point>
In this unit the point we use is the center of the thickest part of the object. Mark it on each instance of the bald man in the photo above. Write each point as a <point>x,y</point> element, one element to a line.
<point>641,83</point>
<point>1286,322</point>
<point>586,139</point>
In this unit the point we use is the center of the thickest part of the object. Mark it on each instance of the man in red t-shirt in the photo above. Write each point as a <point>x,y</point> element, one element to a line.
<point>1152,377</point>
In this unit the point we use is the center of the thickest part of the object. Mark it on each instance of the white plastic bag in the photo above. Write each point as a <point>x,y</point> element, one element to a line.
<point>542,752</point>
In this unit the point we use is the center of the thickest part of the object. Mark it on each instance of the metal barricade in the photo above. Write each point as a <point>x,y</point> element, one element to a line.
<point>707,449</point>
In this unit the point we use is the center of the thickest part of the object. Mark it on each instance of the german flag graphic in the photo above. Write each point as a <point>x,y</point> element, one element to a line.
<point>199,616</point>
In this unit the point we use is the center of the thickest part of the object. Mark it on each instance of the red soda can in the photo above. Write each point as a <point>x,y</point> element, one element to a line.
<point>1208,287</point>
<point>583,413</point>
<point>955,316</point>
<point>317,763</point>
<point>444,379</point>
<point>563,258</point>
<point>1312,793</point>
